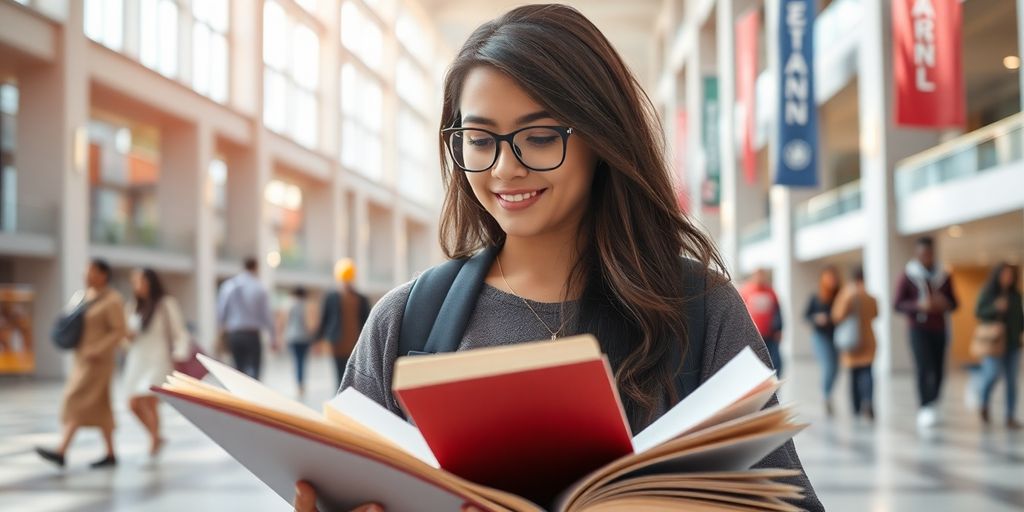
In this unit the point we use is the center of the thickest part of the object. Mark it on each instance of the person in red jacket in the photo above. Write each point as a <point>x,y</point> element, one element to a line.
<point>763,306</point>
<point>925,295</point>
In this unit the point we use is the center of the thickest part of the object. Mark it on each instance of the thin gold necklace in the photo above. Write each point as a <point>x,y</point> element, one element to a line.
<point>554,334</point>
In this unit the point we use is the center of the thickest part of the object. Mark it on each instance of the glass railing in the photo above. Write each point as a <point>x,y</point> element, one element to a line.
<point>144,236</point>
<point>828,205</point>
<point>756,232</point>
<point>987,148</point>
<point>31,219</point>
<point>300,262</point>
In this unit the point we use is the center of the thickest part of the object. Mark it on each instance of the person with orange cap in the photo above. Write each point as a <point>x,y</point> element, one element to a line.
<point>343,314</point>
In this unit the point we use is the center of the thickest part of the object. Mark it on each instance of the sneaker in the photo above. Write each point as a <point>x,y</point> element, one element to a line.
<point>106,462</point>
<point>51,456</point>
<point>927,417</point>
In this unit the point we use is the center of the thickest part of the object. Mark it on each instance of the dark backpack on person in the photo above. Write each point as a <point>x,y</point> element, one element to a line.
<point>442,300</point>
<point>67,331</point>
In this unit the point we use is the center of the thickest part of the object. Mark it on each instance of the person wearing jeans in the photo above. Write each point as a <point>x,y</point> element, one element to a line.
<point>855,300</point>
<point>764,310</point>
<point>295,324</point>
<point>925,295</point>
<point>1000,301</point>
<point>818,314</point>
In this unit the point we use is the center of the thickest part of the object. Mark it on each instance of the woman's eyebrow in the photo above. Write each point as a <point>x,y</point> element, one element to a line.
<point>528,118</point>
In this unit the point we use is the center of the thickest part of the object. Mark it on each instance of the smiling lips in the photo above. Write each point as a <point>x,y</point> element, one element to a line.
<point>518,199</point>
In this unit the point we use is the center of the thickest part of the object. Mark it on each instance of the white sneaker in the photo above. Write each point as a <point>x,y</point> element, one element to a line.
<point>927,417</point>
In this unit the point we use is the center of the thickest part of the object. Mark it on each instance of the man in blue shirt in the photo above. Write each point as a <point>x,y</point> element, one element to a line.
<point>243,309</point>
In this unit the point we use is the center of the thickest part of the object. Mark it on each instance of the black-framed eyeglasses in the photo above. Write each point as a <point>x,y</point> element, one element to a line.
<point>538,148</point>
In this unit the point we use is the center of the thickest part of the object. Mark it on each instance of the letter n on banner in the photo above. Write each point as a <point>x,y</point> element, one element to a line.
<point>928,63</point>
<point>747,29</point>
<point>797,150</point>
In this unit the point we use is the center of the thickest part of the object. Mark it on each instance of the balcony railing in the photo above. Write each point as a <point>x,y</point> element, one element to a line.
<point>987,148</point>
<point>145,236</point>
<point>28,219</point>
<point>828,205</point>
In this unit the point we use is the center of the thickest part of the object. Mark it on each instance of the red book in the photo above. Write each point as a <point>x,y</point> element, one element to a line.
<point>526,419</point>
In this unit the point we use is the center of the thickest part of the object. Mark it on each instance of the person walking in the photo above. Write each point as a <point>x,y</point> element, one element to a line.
<point>157,336</point>
<point>819,315</point>
<point>1000,302</point>
<point>87,394</point>
<point>925,295</point>
<point>243,310</point>
<point>764,309</point>
<point>343,315</point>
<point>855,304</point>
<point>295,329</point>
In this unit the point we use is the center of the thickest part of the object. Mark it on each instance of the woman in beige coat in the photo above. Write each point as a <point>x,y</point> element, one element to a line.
<point>854,300</point>
<point>87,395</point>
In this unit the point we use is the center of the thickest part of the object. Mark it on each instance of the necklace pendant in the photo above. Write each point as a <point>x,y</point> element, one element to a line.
<point>554,337</point>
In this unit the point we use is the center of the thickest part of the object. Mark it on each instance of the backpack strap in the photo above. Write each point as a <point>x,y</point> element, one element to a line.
<point>440,303</point>
<point>694,288</point>
<point>442,299</point>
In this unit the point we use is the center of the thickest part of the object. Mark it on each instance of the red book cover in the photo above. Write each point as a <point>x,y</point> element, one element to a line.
<point>531,432</point>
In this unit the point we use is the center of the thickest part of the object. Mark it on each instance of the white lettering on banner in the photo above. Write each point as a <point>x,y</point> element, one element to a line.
<point>797,87</point>
<point>923,15</point>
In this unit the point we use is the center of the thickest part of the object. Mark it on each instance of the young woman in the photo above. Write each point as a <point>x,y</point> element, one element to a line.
<point>1000,301</point>
<point>819,315</point>
<point>157,335</point>
<point>555,155</point>
<point>295,325</point>
<point>855,300</point>
<point>87,394</point>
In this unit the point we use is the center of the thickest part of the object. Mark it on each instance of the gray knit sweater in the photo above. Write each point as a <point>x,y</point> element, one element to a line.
<point>503,319</point>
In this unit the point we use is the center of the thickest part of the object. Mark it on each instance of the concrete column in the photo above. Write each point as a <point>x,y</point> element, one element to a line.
<point>695,160</point>
<point>882,146</point>
<point>53,170</point>
<point>401,246</point>
<point>1020,49</point>
<point>725,19</point>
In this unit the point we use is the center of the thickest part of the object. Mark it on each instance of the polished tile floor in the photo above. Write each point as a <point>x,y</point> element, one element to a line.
<point>855,466</point>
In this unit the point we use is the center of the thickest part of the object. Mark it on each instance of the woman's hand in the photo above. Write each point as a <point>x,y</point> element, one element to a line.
<point>305,501</point>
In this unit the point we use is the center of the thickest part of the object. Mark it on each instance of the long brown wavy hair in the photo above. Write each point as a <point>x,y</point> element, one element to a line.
<point>633,232</point>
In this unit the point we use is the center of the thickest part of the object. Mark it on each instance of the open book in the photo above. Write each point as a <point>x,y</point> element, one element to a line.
<point>484,436</point>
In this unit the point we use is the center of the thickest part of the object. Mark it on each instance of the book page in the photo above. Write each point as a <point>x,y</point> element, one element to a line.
<point>352,405</point>
<point>737,379</point>
<point>250,389</point>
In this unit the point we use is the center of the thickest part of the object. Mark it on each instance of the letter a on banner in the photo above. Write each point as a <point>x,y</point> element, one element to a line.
<point>797,150</point>
<point>928,63</point>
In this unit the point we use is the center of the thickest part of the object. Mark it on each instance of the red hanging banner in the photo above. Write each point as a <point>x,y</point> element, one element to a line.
<point>928,63</point>
<point>747,29</point>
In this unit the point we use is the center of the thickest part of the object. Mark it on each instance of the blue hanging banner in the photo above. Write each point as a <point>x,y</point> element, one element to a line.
<point>797,151</point>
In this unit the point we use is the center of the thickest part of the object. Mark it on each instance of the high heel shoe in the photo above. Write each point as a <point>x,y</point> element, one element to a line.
<point>51,456</point>
<point>106,462</point>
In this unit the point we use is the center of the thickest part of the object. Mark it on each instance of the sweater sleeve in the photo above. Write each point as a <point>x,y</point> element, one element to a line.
<point>370,367</point>
<point>730,330</point>
<point>906,296</point>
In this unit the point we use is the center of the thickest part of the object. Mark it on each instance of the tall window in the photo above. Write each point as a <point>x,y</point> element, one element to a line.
<point>415,170</point>
<point>414,38</point>
<point>361,105</point>
<point>362,35</point>
<point>158,31</point>
<point>8,142</point>
<point>210,48</point>
<point>218,172</point>
<point>287,221</point>
<point>291,54</point>
<point>124,170</point>
<point>104,22</point>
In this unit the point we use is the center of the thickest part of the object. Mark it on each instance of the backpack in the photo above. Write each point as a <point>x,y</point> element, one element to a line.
<point>67,331</point>
<point>442,299</point>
